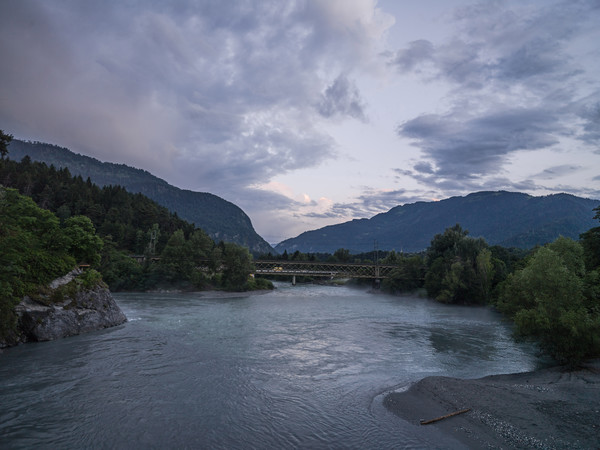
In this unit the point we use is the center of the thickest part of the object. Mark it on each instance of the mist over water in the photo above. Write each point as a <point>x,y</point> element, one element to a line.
<point>300,367</point>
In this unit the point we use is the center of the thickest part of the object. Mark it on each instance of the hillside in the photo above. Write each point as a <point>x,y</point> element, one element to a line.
<point>503,218</point>
<point>222,220</point>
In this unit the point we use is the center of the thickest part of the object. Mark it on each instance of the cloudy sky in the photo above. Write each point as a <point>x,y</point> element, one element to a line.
<point>308,113</point>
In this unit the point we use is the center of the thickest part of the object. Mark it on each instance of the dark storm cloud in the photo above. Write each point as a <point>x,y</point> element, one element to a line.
<point>591,117</point>
<point>266,152</point>
<point>469,147</point>
<point>516,87</point>
<point>424,167</point>
<point>342,98</point>
<point>229,92</point>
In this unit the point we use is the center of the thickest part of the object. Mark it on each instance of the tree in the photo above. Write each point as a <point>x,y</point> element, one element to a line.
<point>83,243</point>
<point>175,259</point>
<point>408,276</point>
<point>548,304</point>
<point>4,141</point>
<point>199,247</point>
<point>34,250</point>
<point>485,273</point>
<point>590,240</point>
<point>571,253</point>
<point>341,255</point>
<point>459,268</point>
<point>119,270</point>
<point>238,266</point>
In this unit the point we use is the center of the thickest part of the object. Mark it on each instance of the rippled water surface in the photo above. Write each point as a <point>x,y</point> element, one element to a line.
<point>300,367</point>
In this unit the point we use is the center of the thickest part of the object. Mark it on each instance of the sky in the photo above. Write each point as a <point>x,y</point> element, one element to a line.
<point>315,112</point>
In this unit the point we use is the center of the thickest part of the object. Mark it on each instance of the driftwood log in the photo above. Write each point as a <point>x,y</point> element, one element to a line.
<point>455,413</point>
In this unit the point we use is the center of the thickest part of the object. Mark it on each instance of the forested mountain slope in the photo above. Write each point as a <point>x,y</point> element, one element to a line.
<point>222,220</point>
<point>509,219</point>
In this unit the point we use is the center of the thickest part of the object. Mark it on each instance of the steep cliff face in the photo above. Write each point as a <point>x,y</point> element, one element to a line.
<point>68,311</point>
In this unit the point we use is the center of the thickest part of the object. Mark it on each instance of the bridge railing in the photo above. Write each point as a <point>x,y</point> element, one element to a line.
<point>323,269</point>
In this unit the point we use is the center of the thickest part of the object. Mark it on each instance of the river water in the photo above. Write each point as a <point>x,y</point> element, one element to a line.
<point>299,367</point>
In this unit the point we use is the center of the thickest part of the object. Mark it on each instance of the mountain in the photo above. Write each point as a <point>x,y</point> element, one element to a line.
<point>220,219</point>
<point>509,219</point>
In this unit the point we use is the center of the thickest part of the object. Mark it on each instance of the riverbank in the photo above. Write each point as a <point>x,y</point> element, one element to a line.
<point>548,408</point>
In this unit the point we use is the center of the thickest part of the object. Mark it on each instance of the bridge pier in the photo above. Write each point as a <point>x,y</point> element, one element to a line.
<point>376,283</point>
<point>293,280</point>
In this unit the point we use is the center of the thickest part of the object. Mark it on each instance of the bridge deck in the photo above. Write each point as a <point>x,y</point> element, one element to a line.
<point>323,269</point>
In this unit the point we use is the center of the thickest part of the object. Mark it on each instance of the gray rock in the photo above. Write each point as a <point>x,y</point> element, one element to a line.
<point>89,310</point>
<point>66,279</point>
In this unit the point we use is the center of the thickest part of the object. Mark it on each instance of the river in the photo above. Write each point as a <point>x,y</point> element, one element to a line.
<point>303,366</point>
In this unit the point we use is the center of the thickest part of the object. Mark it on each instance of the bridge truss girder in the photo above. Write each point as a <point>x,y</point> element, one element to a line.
<point>323,269</point>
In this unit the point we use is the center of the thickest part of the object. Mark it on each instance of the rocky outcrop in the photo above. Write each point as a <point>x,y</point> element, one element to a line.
<point>78,311</point>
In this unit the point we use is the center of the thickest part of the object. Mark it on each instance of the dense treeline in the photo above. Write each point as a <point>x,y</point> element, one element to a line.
<point>125,217</point>
<point>172,248</point>
<point>220,219</point>
<point>555,297</point>
<point>35,249</point>
<point>552,293</point>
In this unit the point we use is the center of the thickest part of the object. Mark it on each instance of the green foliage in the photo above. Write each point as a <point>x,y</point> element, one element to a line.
<point>32,242</point>
<point>35,249</point>
<point>341,255</point>
<point>571,253</point>
<point>545,277</point>
<point>217,217</point>
<point>4,141</point>
<point>238,266</point>
<point>553,301</point>
<point>83,243</point>
<point>460,269</point>
<point>409,275</point>
<point>484,274</point>
<point>91,278</point>
<point>112,210</point>
<point>590,241</point>
<point>119,270</point>
<point>260,284</point>
<point>175,260</point>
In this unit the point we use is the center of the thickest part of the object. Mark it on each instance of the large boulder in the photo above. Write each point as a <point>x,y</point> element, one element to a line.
<point>78,310</point>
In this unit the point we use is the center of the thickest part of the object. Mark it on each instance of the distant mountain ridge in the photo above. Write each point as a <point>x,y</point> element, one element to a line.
<point>509,219</point>
<point>220,219</point>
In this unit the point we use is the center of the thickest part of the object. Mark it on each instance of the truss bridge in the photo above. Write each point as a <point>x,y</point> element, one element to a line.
<point>323,269</point>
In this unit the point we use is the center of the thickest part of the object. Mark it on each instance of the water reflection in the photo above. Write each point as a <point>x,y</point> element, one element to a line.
<point>474,342</point>
<point>295,368</point>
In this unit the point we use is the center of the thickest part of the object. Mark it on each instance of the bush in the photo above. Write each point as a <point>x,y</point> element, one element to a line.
<point>548,302</point>
<point>260,284</point>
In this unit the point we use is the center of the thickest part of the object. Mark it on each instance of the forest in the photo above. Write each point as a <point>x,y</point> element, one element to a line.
<point>220,219</point>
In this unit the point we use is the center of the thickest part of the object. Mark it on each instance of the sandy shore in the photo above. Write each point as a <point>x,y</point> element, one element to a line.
<point>549,408</point>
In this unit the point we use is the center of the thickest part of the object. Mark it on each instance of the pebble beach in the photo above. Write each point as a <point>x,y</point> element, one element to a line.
<point>547,409</point>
